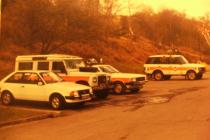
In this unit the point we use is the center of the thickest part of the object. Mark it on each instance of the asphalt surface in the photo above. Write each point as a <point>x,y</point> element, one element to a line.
<point>167,110</point>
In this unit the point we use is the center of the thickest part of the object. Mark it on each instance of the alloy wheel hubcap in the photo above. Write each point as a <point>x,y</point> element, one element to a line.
<point>55,102</point>
<point>191,75</point>
<point>158,76</point>
<point>6,99</point>
<point>118,88</point>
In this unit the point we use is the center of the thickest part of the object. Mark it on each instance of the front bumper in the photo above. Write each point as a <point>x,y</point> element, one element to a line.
<point>135,85</point>
<point>201,70</point>
<point>82,98</point>
<point>102,87</point>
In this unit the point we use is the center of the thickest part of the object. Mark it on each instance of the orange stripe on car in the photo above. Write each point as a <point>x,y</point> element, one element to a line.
<point>124,80</point>
<point>75,78</point>
<point>170,68</point>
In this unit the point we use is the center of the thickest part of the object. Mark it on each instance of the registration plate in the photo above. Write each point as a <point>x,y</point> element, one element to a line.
<point>86,96</point>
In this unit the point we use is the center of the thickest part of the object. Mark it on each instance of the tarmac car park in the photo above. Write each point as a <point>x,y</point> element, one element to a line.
<point>162,67</point>
<point>122,82</point>
<point>68,67</point>
<point>42,86</point>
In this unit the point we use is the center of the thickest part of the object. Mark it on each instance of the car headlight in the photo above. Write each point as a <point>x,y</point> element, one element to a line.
<point>94,79</point>
<point>133,79</point>
<point>108,78</point>
<point>74,94</point>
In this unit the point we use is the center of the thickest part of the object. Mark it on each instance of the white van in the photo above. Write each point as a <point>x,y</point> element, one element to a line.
<point>68,67</point>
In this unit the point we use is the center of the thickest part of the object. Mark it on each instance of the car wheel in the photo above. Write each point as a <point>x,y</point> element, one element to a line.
<point>167,77</point>
<point>119,88</point>
<point>7,98</point>
<point>191,75</point>
<point>158,76</point>
<point>57,102</point>
<point>101,94</point>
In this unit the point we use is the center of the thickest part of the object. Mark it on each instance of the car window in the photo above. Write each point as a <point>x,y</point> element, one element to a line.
<point>153,60</point>
<point>31,78</point>
<point>43,65</point>
<point>50,77</point>
<point>58,67</point>
<point>164,60</point>
<point>177,60</point>
<point>15,78</point>
<point>74,64</point>
<point>25,65</point>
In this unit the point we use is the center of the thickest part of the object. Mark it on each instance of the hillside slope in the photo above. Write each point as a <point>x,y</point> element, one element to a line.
<point>123,53</point>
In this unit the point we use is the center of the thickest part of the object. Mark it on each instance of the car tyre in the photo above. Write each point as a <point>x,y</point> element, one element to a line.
<point>7,98</point>
<point>191,75</point>
<point>57,102</point>
<point>119,88</point>
<point>158,76</point>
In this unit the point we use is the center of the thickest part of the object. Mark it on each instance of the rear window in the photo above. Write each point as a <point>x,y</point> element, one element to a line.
<point>25,65</point>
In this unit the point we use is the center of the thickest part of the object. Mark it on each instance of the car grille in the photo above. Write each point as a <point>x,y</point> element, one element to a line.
<point>81,92</point>
<point>102,79</point>
<point>140,79</point>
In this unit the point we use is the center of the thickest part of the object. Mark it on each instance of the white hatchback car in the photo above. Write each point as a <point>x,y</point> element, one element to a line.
<point>42,86</point>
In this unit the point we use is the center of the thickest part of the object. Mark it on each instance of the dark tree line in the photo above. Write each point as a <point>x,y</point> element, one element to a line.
<point>48,25</point>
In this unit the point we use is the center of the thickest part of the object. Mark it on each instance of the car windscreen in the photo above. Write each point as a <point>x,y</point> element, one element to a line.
<point>178,60</point>
<point>109,69</point>
<point>50,77</point>
<point>74,63</point>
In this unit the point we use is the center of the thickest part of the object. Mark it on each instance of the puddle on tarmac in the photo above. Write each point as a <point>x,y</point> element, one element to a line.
<point>157,100</point>
<point>154,100</point>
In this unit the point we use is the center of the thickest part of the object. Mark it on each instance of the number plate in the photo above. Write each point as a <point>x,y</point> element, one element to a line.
<point>86,96</point>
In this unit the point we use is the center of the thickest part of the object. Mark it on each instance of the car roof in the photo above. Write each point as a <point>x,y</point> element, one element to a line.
<point>34,71</point>
<point>46,57</point>
<point>166,55</point>
<point>98,65</point>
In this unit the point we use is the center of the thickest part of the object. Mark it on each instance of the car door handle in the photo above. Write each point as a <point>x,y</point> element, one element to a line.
<point>22,86</point>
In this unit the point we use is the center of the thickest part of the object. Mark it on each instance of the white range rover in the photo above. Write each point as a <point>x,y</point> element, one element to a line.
<point>162,67</point>
<point>42,86</point>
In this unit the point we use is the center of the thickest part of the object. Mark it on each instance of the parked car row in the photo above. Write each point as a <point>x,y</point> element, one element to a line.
<point>60,79</point>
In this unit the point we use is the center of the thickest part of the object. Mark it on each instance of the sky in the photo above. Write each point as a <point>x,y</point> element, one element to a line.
<point>192,8</point>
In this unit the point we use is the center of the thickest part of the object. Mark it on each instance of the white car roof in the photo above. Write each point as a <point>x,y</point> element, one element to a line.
<point>46,57</point>
<point>98,65</point>
<point>166,55</point>
<point>33,71</point>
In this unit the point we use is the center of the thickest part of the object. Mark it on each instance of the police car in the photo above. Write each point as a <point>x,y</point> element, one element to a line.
<point>122,82</point>
<point>162,67</point>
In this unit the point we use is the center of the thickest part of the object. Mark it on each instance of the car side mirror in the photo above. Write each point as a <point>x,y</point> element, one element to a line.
<point>39,83</point>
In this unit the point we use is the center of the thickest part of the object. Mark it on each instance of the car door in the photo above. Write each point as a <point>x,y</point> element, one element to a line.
<point>177,66</point>
<point>31,89</point>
